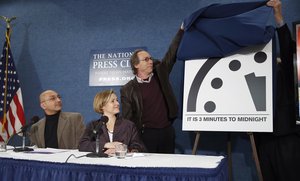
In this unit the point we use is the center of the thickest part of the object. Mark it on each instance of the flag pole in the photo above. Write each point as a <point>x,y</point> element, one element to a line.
<point>7,37</point>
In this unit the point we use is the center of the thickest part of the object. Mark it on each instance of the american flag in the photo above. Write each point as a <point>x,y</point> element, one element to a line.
<point>11,104</point>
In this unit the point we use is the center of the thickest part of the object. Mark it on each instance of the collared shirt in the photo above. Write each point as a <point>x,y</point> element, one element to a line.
<point>140,80</point>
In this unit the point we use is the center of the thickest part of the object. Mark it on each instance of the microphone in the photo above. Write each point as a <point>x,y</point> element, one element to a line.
<point>97,131</point>
<point>24,128</point>
<point>33,120</point>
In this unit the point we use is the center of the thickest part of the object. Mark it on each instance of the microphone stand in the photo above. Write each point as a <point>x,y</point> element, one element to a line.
<point>23,130</point>
<point>23,148</point>
<point>97,132</point>
<point>97,153</point>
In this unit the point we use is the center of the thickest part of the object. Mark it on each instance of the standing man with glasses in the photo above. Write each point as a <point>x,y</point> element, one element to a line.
<point>57,129</point>
<point>148,99</point>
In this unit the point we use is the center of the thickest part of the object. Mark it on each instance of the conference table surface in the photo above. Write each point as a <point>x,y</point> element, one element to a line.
<point>58,164</point>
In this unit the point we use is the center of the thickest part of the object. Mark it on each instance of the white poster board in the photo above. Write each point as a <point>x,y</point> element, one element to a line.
<point>230,94</point>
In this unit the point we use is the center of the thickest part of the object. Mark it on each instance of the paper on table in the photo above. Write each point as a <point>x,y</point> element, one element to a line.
<point>46,151</point>
<point>138,154</point>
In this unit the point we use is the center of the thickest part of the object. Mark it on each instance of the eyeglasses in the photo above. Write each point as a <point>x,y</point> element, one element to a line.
<point>147,59</point>
<point>53,98</point>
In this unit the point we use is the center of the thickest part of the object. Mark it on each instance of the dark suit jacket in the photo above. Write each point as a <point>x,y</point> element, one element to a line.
<point>124,131</point>
<point>279,151</point>
<point>131,98</point>
<point>285,98</point>
<point>69,130</point>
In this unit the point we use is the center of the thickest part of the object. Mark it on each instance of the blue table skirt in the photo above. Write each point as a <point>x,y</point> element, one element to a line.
<point>16,169</point>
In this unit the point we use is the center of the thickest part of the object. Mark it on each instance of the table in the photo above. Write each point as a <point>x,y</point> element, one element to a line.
<point>50,164</point>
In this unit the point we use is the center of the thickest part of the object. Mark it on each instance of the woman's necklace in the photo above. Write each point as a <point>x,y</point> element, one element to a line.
<point>110,128</point>
<point>110,131</point>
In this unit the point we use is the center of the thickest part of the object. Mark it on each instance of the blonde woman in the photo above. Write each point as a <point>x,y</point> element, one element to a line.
<point>115,131</point>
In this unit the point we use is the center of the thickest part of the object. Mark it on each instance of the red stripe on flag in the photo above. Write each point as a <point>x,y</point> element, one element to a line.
<point>20,111</point>
<point>11,119</point>
<point>1,139</point>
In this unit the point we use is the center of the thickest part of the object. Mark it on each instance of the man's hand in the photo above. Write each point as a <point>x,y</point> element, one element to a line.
<point>276,4</point>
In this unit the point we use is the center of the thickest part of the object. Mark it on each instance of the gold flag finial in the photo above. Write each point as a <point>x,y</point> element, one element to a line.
<point>8,20</point>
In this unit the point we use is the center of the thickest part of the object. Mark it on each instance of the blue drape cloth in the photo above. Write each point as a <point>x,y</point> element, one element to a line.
<point>219,30</point>
<point>15,170</point>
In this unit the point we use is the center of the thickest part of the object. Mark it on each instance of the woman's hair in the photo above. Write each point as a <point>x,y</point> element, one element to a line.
<point>101,100</point>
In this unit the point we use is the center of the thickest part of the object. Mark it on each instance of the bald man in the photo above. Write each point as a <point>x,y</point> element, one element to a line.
<point>57,129</point>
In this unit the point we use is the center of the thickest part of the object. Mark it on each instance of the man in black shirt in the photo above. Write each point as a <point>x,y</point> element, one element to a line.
<point>57,129</point>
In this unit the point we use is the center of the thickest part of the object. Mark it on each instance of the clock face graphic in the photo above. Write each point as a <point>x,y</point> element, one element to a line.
<point>235,90</point>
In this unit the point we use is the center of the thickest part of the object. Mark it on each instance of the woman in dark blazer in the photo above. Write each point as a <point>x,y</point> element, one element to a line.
<point>113,130</point>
